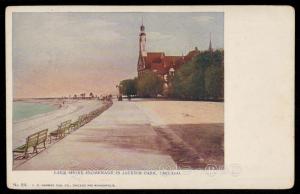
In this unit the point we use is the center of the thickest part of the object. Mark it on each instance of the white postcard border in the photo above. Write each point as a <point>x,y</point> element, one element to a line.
<point>259,131</point>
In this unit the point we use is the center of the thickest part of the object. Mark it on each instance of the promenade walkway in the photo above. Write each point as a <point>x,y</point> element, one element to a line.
<point>120,138</point>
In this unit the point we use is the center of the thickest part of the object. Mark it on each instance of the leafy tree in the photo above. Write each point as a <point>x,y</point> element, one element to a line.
<point>82,95</point>
<point>201,78</point>
<point>149,84</point>
<point>128,87</point>
<point>91,95</point>
<point>214,82</point>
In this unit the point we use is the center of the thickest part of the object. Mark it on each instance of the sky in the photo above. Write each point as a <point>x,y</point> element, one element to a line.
<point>62,54</point>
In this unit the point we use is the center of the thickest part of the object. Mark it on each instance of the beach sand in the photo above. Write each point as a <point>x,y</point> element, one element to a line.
<point>71,109</point>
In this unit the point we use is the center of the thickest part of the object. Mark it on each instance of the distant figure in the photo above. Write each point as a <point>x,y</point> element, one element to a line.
<point>120,98</point>
<point>129,98</point>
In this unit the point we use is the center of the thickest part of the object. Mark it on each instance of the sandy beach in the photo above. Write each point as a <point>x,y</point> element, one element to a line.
<point>70,109</point>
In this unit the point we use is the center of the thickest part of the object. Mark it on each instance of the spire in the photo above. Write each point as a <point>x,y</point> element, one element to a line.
<point>142,39</point>
<point>142,26</point>
<point>210,45</point>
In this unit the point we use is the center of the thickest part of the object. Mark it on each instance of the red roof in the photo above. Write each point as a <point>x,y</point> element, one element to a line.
<point>158,61</point>
<point>155,57</point>
<point>159,67</point>
<point>174,61</point>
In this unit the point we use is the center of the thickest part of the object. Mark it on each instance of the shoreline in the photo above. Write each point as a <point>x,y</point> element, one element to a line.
<point>71,110</point>
<point>56,106</point>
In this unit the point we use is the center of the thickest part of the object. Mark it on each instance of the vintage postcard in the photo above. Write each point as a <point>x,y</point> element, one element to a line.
<point>149,97</point>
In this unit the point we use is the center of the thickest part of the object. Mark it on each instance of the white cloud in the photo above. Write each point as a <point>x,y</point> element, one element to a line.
<point>203,19</point>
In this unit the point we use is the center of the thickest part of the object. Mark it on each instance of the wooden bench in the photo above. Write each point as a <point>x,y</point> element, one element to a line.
<point>61,131</point>
<point>67,125</point>
<point>32,141</point>
<point>86,118</point>
<point>82,120</point>
<point>75,125</point>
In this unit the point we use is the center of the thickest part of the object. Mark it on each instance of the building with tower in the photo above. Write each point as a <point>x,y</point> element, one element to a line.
<point>159,62</point>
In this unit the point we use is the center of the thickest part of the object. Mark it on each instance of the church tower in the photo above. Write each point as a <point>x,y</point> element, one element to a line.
<point>142,50</point>
<point>142,42</point>
<point>210,45</point>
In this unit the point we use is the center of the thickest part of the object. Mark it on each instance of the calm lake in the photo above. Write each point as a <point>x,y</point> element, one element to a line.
<point>22,110</point>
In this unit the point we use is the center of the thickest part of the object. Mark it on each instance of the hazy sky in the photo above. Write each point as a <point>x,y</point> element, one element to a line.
<point>57,54</point>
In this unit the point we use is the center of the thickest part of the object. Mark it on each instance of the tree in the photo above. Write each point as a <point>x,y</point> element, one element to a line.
<point>128,87</point>
<point>91,95</point>
<point>149,84</point>
<point>201,78</point>
<point>214,77</point>
<point>188,82</point>
<point>214,82</point>
<point>82,95</point>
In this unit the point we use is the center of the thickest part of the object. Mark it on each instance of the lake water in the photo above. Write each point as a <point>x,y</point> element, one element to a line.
<point>22,110</point>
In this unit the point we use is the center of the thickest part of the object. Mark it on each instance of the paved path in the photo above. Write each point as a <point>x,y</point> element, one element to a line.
<point>120,138</point>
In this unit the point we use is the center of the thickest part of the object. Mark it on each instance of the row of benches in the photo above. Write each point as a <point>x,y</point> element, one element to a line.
<point>39,138</point>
